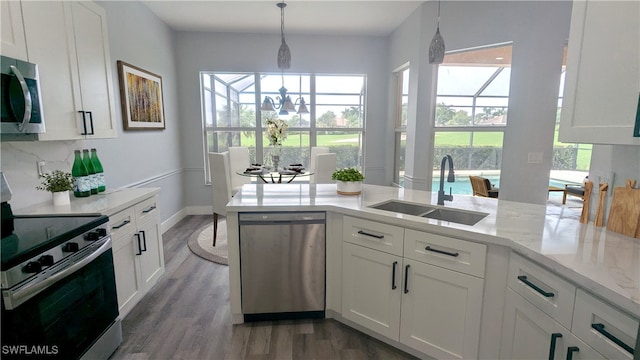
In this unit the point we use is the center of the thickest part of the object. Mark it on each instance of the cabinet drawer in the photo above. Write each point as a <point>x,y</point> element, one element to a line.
<point>122,223</point>
<point>374,235</point>
<point>459,255</point>
<point>146,209</point>
<point>542,288</point>
<point>608,330</point>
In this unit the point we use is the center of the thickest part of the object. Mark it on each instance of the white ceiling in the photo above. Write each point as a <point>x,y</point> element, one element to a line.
<point>335,17</point>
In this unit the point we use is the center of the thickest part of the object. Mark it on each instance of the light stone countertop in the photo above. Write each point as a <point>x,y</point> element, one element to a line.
<point>601,261</point>
<point>107,203</point>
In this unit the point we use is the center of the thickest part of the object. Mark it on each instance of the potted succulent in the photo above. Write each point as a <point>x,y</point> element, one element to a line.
<point>348,181</point>
<point>58,183</point>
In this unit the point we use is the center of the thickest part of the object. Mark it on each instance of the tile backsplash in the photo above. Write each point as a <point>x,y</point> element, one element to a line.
<point>19,165</point>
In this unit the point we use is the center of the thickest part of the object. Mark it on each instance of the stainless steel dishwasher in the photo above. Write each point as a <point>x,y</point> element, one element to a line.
<point>282,265</point>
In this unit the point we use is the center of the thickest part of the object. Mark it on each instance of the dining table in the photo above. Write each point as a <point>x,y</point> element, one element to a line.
<point>269,175</point>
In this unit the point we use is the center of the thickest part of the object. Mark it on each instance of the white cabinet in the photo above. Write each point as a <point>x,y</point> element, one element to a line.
<point>422,300</point>
<point>529,333</point>
<point>69,42</point>
<point>12,42</point>
<point>441,311</point>
<point>607,329</point>
<point>546,316</point>
<point>137,252</point>
<point>371,289</point>
<point>602,84</point>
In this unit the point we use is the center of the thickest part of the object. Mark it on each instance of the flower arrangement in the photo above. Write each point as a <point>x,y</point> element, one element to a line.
<point>57,181</point>
<point>276,131</point>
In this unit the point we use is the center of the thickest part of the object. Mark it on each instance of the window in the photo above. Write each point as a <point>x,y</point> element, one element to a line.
<point>402,81</point>
<point>231,115</point>
<point>570,163</point>
<point>471,114</point>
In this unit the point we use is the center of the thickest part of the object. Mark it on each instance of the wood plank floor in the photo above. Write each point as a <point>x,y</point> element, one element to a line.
<point>187,316</point>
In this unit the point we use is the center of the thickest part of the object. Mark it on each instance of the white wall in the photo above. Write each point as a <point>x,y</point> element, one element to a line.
<point>538,31</point>
<point>196,51</point>
<point>147,158</point>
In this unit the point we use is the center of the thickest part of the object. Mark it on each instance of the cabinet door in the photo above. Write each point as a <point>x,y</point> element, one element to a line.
<point>152,258</point>
<point>370,293</point>
<point>441,311</point>
<point>69,43</point>
<point>603,73</point>
<point>94,70</point>
<point>127,271</point>
<point>52,47</point>
<point>12,31</point>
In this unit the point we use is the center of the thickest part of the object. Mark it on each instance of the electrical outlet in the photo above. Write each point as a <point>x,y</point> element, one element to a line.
<point>40,164</point>
<point>534,158</point>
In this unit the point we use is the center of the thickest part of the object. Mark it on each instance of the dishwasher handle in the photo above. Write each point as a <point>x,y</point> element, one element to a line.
<point>278,218</point>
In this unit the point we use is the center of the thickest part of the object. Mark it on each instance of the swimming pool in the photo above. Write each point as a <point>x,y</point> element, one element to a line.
<point>462,186</point>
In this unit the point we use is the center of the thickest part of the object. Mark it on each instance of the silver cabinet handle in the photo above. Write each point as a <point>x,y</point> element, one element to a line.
<point>27,98</point>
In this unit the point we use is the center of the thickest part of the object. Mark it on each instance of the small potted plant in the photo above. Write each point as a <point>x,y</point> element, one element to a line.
<point>58,183</point>
<point>348,181</point>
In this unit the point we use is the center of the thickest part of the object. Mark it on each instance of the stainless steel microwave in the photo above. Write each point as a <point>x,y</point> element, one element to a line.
<point>20,103</point>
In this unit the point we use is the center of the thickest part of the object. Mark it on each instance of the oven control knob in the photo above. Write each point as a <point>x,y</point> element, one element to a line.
<point>91,236</point>
<point>70,247</point>
<point>102,232</point>
<point>46,260</point>
<point>32,267</point>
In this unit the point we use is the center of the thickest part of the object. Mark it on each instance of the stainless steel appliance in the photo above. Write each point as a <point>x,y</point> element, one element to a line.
<point>58,287</point>
<point>20,102</point>
<point>282,265</point>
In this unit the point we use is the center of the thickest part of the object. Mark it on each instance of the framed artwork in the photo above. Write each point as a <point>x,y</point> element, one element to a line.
<point>141,98</point>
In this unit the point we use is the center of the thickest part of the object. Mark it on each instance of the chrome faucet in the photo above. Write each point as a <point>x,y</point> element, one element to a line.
<point>450,178</point>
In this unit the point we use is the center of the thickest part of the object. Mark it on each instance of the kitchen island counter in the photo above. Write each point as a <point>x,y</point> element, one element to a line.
<point>604,262</point>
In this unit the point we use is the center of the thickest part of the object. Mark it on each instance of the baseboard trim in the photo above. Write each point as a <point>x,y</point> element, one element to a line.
<point>182,213</point>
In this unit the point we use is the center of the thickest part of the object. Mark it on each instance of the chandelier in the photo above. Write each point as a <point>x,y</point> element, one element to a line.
<point>285,105</point>
<point>436,48</point>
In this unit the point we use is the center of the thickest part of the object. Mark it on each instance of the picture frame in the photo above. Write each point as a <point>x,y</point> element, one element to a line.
<point>141,98</point>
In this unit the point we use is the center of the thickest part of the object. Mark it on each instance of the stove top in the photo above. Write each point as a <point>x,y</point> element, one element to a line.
<point>30,236</point>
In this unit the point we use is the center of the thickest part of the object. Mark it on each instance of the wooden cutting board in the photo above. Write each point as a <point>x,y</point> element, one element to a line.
<point>624,214</point>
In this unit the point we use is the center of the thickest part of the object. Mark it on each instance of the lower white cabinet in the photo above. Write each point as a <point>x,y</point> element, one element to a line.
<point>529,333</point>
<point>429,308</point>
<point>441,311</point>
<point>137,251</point>
<point>370,292</point>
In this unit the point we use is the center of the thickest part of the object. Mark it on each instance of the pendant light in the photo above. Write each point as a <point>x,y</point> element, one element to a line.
<point>436,49</point>
<point>285,105</point>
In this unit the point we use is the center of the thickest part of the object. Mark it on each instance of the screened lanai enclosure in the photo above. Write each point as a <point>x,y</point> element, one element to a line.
<point>232,115</point>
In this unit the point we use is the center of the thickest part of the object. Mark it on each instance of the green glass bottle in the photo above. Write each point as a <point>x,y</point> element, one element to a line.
<point>92,173</point>
<point>97,166</point>
<point>80,176</point>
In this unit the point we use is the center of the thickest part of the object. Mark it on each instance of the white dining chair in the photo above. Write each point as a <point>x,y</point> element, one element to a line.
<point>238,160</point>
<point>315,151</point>
<point>220,186</point>
<point>325,165</point>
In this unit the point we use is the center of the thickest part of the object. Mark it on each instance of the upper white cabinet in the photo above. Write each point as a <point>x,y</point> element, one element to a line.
<point>69,42</point>
<point>602,85</point>
<point>13,43</point>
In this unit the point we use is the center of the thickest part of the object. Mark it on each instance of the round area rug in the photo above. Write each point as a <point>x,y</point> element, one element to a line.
<point>201,243</point>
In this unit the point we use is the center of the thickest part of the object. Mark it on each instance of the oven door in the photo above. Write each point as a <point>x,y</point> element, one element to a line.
<point>64,319</point>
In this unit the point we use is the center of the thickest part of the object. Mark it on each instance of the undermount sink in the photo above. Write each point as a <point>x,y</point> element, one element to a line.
<point>458,216</point>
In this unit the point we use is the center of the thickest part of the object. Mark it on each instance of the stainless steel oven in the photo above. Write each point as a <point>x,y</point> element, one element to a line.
<point>58,287</point>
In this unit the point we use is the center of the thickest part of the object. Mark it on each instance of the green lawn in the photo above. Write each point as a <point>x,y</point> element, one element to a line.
<point>295,139</point>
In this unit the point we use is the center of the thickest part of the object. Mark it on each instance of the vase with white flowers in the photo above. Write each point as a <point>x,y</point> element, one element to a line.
<point>276,134</point>
<point>58,183</point>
